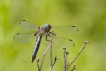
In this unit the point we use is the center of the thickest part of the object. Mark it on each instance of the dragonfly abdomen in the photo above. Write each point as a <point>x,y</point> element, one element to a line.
<point>36,47</point>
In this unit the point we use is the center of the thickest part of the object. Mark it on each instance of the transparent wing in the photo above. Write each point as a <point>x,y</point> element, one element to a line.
<point>26,26</point>
<point>64,30</point>
<point>24,37</point>
<point>59,42</point>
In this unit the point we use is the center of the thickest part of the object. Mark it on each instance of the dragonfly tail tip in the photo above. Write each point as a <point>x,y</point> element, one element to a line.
<point>33,58</point>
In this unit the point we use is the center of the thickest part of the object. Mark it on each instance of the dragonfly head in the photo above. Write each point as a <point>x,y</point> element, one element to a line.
<point>47,27</point>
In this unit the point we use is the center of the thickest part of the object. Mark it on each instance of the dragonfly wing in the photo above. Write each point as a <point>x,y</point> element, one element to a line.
<point>24,37</point>
<point>64,30</point>
<point>26,26</point>
<point>59,42</point>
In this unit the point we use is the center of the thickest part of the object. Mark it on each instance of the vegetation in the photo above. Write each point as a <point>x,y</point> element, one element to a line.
<point>88,15</point>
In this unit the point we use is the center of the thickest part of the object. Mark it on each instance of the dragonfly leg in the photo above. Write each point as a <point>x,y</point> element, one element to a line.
<point>52,33</point>
<point>47,35</point>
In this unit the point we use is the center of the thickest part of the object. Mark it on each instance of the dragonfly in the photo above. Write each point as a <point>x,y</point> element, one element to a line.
<point>42,32</point>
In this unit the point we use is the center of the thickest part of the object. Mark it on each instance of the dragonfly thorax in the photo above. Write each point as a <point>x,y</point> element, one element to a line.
<point>44,29</point>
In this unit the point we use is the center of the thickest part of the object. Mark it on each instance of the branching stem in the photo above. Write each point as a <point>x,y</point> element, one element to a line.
<point>69,64</point>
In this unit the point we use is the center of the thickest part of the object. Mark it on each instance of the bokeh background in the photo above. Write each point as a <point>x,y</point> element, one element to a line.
<point>88,15</point>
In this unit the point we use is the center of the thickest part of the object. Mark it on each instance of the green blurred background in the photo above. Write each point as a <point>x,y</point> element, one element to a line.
<point>88,15</point>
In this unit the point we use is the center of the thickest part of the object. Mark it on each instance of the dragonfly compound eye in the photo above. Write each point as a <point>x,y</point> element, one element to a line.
<point>47,27</point>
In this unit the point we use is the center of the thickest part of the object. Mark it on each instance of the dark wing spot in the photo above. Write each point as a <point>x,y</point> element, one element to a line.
<point>70,40</point>
<point>18,33</point>
<point>23,20</point>
<point>73,26</point>
<point>77,29</point>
